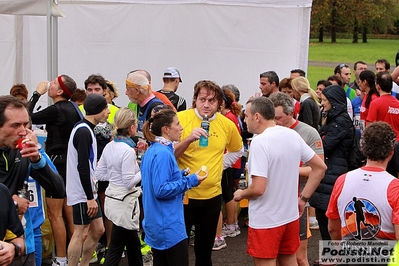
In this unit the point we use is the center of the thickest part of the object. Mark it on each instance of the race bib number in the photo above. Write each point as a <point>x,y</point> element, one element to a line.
<point>33,196</point>
<point>356,121</point>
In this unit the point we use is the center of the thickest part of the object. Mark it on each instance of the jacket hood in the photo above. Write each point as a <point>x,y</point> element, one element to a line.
<point>335,94</point>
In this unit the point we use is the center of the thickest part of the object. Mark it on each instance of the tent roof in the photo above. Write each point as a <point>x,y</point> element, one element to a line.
<point>39,7</point>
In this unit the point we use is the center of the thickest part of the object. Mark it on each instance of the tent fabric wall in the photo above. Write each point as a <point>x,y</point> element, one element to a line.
<point>224,41</point>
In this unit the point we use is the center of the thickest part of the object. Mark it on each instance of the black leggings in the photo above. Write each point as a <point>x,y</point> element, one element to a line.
<point>323,224</point>
<point>204,214</point>
<point>174,256</point>
<point>120,238</point>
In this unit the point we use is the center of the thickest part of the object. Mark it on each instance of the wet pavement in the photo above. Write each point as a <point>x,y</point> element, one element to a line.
<point>235,253</point>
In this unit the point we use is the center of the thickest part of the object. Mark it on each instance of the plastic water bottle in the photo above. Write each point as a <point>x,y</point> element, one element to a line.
<point>242,184</point>
<point>203,141</point>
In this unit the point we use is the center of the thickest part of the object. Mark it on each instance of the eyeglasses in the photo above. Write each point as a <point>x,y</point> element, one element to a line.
<point>343,65</point>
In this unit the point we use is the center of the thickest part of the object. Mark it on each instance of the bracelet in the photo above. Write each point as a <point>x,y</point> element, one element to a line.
<point>302,197</point>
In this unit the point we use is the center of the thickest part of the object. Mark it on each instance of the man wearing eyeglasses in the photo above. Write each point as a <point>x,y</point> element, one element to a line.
<point>344,72</point>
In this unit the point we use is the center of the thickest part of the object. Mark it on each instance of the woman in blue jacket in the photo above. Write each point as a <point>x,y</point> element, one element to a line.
<point>163,185</point>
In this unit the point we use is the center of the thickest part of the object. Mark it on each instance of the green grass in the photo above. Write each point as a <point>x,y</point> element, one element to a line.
<point>344,51</point>
<point>317,73</point>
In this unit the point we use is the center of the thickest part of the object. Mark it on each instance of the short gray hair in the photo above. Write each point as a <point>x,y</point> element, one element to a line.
<point>283,100</point>
<point>234,90</point>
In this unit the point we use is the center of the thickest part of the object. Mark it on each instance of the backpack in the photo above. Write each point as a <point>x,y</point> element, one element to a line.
<point>355,157</point>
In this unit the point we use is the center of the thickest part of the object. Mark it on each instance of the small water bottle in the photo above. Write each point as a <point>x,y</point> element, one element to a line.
<point>24,191</point>
<point>242,184</point>
<point>203,141</point>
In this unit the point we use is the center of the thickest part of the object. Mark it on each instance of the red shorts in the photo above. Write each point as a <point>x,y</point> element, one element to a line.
<point>268,243</point>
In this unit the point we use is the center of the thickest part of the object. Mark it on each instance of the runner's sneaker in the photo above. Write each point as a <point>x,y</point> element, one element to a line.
<point>100,248</point>
<point>59,263</point>
<point>147,258</point>
<point>231,230</point>
<point>219,243</point>
<point>314,225</point>
<point>94,257</point>
<point>102,261</point>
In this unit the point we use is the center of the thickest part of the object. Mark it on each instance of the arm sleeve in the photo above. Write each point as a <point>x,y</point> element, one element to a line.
<point>305,113</point>
<point>131,174</point>
<point>258,165</point>
<point>45,116</point>
<point>334,135</point>
<point>315,142</point>
<point>14,227</point>
<point>32,102</point>
<point>101,169</point>
<point>393,199</point>
<point>163,186</point>
<point>229,158</point>
<point>82,143</point>
<point>49,179</point>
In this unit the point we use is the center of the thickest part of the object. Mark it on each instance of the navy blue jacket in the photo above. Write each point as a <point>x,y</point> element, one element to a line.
<point>337,136</point>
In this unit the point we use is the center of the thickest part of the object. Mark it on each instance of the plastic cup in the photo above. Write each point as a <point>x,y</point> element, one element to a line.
<point>21,144</point>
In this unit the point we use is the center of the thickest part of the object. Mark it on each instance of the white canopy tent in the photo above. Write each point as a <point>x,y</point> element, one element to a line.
<point>227,41</point>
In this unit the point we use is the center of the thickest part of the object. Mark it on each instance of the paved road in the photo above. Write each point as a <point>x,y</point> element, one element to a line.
<point>235,253</point>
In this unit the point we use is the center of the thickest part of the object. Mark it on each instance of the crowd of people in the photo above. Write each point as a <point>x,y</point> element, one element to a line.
<point>126,180</point>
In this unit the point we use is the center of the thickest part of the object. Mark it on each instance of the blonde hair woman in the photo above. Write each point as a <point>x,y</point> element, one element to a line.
<point>118,165</point>
<point>309,112</point>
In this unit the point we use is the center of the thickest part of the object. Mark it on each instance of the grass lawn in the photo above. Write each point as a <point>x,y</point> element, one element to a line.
<point>344,51</point>
<point>317,73</point>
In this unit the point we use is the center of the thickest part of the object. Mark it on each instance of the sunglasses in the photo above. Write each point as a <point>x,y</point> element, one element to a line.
<point>343,65</point>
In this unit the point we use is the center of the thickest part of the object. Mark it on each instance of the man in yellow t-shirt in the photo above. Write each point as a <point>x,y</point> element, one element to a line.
<point>204,201</point>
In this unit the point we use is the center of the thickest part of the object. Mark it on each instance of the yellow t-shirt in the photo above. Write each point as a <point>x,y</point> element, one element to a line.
<point>112,111</point>
<point>223,134</point>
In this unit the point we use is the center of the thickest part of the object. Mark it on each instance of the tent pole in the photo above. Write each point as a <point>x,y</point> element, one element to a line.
<point>49,41</point>
<point>55,47</point>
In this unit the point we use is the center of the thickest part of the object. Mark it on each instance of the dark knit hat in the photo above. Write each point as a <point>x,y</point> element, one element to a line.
<point>94,104</point>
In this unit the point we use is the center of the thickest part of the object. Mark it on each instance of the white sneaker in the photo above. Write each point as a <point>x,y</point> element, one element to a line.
<point>58,263</point>
<point>314,225</point>
<point>219,243</point>
<point>231,232</point>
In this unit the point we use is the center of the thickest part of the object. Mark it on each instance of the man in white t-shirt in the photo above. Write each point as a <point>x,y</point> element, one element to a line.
<point>275,154</point>
<point>284,109</point>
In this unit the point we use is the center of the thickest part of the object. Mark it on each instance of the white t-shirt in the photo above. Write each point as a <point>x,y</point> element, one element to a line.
<point>275,155</point>
<point>395,87</point>
<point>349,107</point>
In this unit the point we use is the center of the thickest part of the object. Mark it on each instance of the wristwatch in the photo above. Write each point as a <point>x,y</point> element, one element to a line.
<point>305,199</point>
<point>40,157</point>
<point>18,250</point>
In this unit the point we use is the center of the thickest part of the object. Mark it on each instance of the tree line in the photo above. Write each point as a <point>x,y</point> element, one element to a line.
<point>358,17</point>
